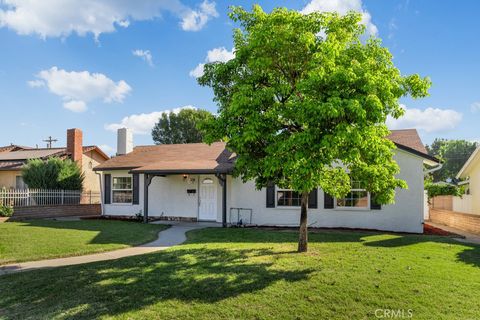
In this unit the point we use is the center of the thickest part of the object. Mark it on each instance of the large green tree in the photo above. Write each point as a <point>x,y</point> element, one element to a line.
<point>181,127</point>
<point>304,102</point>
<point>453,154</point>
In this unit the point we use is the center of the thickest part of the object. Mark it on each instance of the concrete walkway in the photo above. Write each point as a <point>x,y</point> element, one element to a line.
<point>469,237</point>
<point>174,235</point>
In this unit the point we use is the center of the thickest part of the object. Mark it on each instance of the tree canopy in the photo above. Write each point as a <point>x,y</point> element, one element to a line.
<point>453,154</point>
<point>304,102</point>
<point>54,173</point>
<point>181,127</point>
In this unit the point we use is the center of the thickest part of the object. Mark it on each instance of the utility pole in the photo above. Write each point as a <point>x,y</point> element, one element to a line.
<point>49,141</point>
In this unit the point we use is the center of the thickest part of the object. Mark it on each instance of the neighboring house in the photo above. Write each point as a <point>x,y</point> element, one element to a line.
<point>194,182</point>
<point>13,158</point>
<point>470,174</point>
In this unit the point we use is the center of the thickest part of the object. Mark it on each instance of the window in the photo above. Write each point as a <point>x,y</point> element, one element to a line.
<point>358,197</point>
<point>288,198</point>
<point>207,181</point>
<point>122,190</point>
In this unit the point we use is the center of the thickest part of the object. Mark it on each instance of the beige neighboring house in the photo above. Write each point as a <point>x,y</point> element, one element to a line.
<point>14,157</point>
<point>470,173</point>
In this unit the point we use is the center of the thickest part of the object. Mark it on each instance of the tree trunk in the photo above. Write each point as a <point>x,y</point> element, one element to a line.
<point>303,237</point>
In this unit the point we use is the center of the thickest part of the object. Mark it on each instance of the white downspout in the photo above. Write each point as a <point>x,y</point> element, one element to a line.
<point>101,191</point>
<point>440,165</point>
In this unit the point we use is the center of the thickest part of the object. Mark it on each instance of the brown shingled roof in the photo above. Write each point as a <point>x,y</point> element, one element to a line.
<point>170,158</point>
<point>408,138</point>
<point>15,159</point>
<point>13,147</point>
<point>200,157</point>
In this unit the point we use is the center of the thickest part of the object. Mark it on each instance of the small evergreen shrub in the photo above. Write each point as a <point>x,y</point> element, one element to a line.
<point>6,211</point>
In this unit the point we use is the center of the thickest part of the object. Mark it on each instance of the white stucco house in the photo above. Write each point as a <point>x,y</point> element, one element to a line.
<point>193,182</point>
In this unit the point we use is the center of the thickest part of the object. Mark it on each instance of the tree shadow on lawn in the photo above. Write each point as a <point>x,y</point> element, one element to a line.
<point>113,288</point>
<point>469,255</point>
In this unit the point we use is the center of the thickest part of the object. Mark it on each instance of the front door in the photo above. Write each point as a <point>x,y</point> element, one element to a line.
<point>208,200</point>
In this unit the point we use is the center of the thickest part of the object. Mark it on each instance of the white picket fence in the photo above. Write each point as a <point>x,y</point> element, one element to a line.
<point>40,197</point>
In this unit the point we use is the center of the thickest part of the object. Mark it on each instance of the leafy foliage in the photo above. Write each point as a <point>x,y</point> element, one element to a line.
<point>179,128</point>
<point>54,173</point>
<point>453,154</point>
<point>304,102</point>
<point>6,211</point>
<point>443,189</point>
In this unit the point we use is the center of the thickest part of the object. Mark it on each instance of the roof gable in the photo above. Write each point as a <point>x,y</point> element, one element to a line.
<point>408,138</point>
<point>469,164</point>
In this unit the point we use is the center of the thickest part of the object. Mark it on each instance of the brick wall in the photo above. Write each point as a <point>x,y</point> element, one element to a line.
<point>56,211</point>
<point>463,221</point>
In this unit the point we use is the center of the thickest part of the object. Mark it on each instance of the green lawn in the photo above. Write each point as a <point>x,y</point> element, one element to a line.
<point>41,239</point>
<point>253,274</point>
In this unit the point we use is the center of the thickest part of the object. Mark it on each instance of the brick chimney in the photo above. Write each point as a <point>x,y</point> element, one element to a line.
<point>75,145</point>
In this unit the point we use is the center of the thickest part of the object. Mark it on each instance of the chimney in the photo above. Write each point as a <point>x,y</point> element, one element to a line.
<point>124,141</point>
<point>75,145</point>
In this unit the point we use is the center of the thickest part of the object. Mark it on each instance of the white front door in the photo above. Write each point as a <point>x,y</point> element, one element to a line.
<point>208,199</point>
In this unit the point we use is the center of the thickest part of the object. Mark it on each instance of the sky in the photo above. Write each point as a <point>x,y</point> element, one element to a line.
<point>103,64</point>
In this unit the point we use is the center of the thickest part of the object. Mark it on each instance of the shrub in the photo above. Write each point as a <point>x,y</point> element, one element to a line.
<point>437,189</point>
<point>6,211</point>
<point>55,173</point>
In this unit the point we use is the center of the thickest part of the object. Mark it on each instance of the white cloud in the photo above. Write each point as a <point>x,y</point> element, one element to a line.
<point>60,18</point>
<point>342,7</point>
<point>75,105</point>
<point>78,88</point>
<point>106,148</point>
<point>195,20</point>
<point>475,107</point>
<point>36,83</point>
<point>215,55</point>
<point>142,123</point>
<point>146,55</point>
<point>428,120</point>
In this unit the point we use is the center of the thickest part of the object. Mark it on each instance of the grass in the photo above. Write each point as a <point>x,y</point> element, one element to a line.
<point>255,274</point>
<point>42,239</point>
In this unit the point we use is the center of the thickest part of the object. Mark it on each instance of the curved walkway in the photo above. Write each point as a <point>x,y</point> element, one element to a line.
<point>174,235</point>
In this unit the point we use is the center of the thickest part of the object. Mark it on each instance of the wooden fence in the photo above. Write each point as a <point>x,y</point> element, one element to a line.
<point>40,197</point>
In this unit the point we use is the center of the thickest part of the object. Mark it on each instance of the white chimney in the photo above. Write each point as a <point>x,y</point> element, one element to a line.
<point>124,141</point>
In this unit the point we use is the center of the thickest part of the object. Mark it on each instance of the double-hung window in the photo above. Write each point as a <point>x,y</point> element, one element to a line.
<point>288,198</point>
<point>122,190</point>
<point>358,197</point>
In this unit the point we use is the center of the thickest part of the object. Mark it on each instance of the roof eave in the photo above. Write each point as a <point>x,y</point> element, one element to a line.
<point>467,164</point>
<point>182,171</point>
<point>430,160</point>
<point>113,168</point>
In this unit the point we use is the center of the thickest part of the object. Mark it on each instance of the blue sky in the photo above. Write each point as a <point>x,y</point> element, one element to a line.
<point>76,55</point>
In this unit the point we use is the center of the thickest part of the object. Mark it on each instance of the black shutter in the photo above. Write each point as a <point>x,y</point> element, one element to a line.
<point>373,204</point>
<point>135,188</point>
<point>270,196</point>
<point>327,201</point>
<point>313,199</point>
<point>108,188</point>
